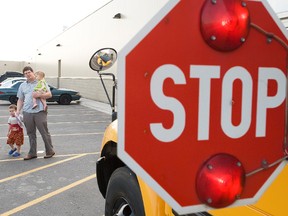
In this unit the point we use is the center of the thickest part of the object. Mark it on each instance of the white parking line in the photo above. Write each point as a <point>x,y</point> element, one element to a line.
<point>74,134</point>
<point>47,196</point>
<point>40,168</point>
<point>55,156</point>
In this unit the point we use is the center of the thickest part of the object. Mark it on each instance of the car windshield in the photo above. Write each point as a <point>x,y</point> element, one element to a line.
<point>10,81</point>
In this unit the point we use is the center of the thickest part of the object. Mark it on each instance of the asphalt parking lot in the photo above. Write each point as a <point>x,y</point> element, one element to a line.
<point>65,184</point>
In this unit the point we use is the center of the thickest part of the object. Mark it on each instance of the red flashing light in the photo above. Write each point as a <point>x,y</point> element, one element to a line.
<point>224,23</point>
<point>220,181</point>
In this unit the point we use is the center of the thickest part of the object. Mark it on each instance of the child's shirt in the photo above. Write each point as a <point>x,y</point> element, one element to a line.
<point>14,124</point>
<point>12,120</point>
<point>41,85</point>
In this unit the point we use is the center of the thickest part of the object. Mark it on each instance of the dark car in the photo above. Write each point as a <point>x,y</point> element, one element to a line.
<point>9,74</point>
<point>63,96</point>
<point>59,95</point>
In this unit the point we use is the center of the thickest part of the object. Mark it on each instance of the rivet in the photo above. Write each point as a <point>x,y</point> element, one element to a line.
<point>242,40</point>
<point>209,166</point>
<point>239,164</point>
<point>213,37</point>
<point>264,164</point>
<point>214,1</point>
<point>269,39</point>
<point>209,200</point>
<point>243,4</point>
<point>145,74</point>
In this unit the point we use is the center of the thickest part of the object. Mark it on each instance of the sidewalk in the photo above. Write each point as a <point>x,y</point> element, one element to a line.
<point>100,106</point>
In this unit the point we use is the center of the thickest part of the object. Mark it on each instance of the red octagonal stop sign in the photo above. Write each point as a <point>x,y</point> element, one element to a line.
<point>202,99</point>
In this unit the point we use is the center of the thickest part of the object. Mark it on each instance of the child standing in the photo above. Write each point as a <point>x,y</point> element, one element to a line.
<point>40,88</point>
<point>15,132</point>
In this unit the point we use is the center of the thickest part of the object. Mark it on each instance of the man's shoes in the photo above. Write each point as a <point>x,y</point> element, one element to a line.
<point>29,157</point>
<point>12,151</point>
<point>16,154</point>
<point>49,155</point>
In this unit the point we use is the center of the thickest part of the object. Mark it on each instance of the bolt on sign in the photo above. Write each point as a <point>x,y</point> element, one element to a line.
<point>202,109</point>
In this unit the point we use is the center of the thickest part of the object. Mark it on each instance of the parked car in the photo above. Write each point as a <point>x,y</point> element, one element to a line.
<point>59,95</point>
<point>8,74</point>
<point>9,81</point>
<point>63,96</point>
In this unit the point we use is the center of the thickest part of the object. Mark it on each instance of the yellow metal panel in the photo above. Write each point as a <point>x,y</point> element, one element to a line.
<point>273,202</point>
<point>237,211</point>
<point>110,133</point>
<point>153,204</point>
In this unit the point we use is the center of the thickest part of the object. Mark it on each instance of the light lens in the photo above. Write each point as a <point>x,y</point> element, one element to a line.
<point>224,24</point>
<point>220,181</point>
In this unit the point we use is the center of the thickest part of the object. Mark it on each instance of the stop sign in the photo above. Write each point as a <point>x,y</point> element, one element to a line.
<point>202,100</point>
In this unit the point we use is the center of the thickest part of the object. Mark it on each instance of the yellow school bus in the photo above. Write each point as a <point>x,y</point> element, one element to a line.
<point>127,193</point>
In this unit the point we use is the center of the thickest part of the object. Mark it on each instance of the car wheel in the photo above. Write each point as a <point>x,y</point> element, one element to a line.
<point>65,99</point>
<point>13,99</point>
<point>123,195</point>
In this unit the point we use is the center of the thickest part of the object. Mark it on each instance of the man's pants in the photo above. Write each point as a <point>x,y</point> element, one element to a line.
<point>39,121</point>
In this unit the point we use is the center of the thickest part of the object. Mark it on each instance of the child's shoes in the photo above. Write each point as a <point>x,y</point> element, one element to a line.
<point>12,151</point>
<point>16,154</point>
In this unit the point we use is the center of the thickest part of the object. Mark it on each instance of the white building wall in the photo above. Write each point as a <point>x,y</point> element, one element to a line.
<point>11,66</point>
<point>96,31</point>
<point>67,65</point>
